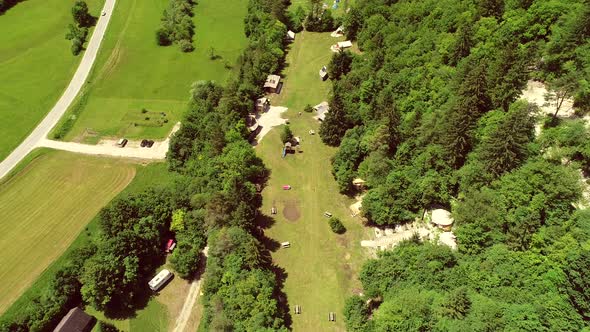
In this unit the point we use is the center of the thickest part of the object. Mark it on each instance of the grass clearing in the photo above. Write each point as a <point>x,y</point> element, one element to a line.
<point>36,64</point>
<point>45,207</point>
<point>133,73</point>
<point>322,267</point>
<point>301,81</point>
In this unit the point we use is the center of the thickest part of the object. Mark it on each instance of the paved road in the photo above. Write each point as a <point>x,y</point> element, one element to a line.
<point>42,130</point>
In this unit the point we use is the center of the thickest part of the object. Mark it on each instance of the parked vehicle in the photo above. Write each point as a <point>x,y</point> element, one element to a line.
<point>160,279</point>
<point>286,187</point>
<point>170,245</point>
<point>122,142</point>
<point>143,143</point>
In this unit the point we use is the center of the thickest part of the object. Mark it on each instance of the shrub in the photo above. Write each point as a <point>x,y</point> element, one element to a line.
<point>106,327</point>
<point>163,37</point>
<point>286,134</point>
<point>143,111</point>
<point>308,108</point>
<point>186,46</point>
<point>336,225</point>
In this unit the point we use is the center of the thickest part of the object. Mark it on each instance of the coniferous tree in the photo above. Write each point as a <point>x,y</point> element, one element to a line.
<point>336,123</point>
<point>506,146</point>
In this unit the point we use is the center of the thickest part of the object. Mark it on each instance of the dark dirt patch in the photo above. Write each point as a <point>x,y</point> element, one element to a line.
<point>291,210</point>
<point>343,241</point>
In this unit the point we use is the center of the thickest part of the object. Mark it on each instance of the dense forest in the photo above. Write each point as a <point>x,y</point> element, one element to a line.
<point>429,115</point>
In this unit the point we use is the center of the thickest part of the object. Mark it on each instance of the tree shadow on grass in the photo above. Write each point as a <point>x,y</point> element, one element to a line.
<point>125,308</point>
<point>280,296</point>
<point>8,4</point>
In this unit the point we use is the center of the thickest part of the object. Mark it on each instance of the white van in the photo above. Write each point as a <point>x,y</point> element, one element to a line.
<point>160,279</point>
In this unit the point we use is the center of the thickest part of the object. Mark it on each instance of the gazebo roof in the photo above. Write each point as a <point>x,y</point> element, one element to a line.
<point>442,217</point>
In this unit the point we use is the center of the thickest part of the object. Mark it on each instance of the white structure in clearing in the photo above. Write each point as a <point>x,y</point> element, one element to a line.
<point>160,279</point>
<point>442,219</point>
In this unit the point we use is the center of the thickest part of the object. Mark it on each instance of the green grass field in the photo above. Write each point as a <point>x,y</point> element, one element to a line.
<point>133,73</point>
<point>36,64</point>
<point>45,207</point>
<point>321,266</point>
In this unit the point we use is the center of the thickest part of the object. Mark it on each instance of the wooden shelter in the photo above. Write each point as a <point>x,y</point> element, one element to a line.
<point>272,83</point>
<point>262,104</point>
<point>76,320</point>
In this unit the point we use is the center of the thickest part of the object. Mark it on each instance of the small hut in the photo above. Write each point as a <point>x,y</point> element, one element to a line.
<point>262,104</point>
<point>271,85</point>
<point>358,183</point>
<point>76,320</point>
<point>322,109</point>
<point>442,219</point>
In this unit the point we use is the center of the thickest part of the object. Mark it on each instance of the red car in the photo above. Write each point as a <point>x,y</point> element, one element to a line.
<point>170,245</point>
<point>286,187</point>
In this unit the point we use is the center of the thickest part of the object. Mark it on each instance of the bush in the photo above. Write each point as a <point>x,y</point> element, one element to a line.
<point>163,37</point>
<point>106,327</point>
<point>186,46</point>
<point>308,108</point>
<point>336,225</point>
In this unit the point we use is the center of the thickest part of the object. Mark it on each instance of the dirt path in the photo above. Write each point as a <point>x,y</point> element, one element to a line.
<point>189,302</point>
<point>76,83</point>
<point>110,148</point>
<point>270,119</point>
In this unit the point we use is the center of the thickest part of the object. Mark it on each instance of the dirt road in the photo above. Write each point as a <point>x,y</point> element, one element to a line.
<point>189,303</point>
<point>110,148</point>
<point>42,130</point>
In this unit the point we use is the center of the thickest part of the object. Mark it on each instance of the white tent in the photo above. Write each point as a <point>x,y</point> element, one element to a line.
<point>291,35</point>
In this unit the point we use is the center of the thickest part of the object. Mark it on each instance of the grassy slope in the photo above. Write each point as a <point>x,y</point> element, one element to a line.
<point>44,208</point>
<point>145,176</point>
<point>132,72</point>
<point>321,266</point>
<point>36,64</point>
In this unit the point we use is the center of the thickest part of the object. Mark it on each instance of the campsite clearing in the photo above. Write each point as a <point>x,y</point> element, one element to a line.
<point>302,85</point>
<point>320,266</point>
<point>36,64</point>
<point>139,89</point>
<point>49,202</point>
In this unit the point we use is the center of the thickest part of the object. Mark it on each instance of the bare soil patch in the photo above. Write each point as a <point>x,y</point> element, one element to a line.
<point>291,210</point>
